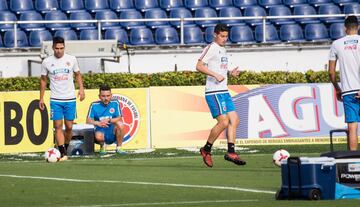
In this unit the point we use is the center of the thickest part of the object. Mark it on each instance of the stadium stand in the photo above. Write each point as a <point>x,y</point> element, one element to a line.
<point>195,4</point>
<point>305,9</point>
<point>254,11</point>
<point>168,5</point>
<point>209,34</point>
<point>336,31</point>
<point>230,12</point>
<point>166,36</point>
<point>218,4</point>
<point>44,6</point>
<point>69,6</point>
<point>141,36</point>
<point>119,34</point>
<point>94,6</point>
<point>205,12</point>
<point>352,8</point>
<point>143,5</point>
<point>292,3</point>
<point>89,34</point>
<point>107,15</point>
<point>67,34</point>
<point>20,6</point>
<point>121,5</point>
<point>317,3</point>
<point>156,14</point>
<point>38,36</point>
<point>7,16</point>
<point>343,2</point>
<point>3,6</point>
<point>31,16</point>
<point>181,13</point>
<point>271,33</point>
<point>330,9</point>
<point>131,14</point>
<point>242,4</point>
<point>21,37</point>
<point>56,15</point>
<point>193,35</point>
<point>291,33</point>
<point>241,34</point>
<point>81,15</point>
<point>1,42</point>
<point>316,32</point>
<point>269,3</point>
<point>280,10</point>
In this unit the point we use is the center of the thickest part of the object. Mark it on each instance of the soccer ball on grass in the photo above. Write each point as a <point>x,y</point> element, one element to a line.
<point>52,155</point>
<point>279,156</point>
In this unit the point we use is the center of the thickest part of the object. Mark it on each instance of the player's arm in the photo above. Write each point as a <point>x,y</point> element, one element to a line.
<point>201,67</point>
<point>78,78</point>
<point>43,81</point>
<point>332,77</point>
<point>234,72</point>
<point>96,123</point>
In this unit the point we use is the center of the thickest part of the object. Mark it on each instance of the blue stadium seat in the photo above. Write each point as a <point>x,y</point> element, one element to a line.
<point>291,33</point>
<point>280,10</point>
<point>337,31</point>
<point>166,36</point>
<point>344,2</point>
<point>38,36</point>
<point>242,4</point>
<point>96,5</point>
<point>56,15</point>
<point>141,36</point>
<point>316,32</point>
<point>3,5</point>
<point>241,34</point>
<point>195,4</point>
<point>269,3</point>
<point>69,6</point>
<point>107,15</point>
<point>81,15</point>
<point>292,3</point>
<point>22,40</point>
<point>180,13</point>
<point>156,14</point>
<point>31,16</point>
<point>171,4</point>
<point>66,34</point>
<point>317,3</point>
<point>131,14</point>
<point>209,34</point>
<point>218,4</point>
<point>19,6</point>
<point>45,6</point>
<point>330,9</point>
<point>305,10</point>
<point>353,8</point>
<point>7,16</point>
<point>144,5</point>
<point>1,42</point>
<point>206,12</point>
<point>230,12</point>
<point>89,34</point>
<point>193,35</point>
<point>254,11</point>
<point>119,34</point>
<point>271,33</point>
<point>121,5</point>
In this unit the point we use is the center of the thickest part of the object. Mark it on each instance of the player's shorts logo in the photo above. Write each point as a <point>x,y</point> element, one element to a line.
<point>131,116</point>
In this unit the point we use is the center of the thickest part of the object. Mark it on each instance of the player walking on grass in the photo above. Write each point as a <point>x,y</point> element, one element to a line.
<point>106,116</point>
<point>214,63</point>
<point>60,68</point>
<point>346,51</point>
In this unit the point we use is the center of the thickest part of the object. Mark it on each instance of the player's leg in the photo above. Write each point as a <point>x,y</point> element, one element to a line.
<point>68,132</point>
<point>100,138</point>
<point>56,114</point>
<point>69,116</point>
<point>119,135</point>
<point>353,136</point>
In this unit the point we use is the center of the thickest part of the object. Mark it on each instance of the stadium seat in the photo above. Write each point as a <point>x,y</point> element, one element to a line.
<point>241,34</point>
<point>66,34</point>
<point>121,5</point>
<point>45,6</point>
<point>254,11</point>
<point>291,33</point>
<point>330,9</point>
<point>156,14</point>
<point>131,14</point>
<point>344,2</point>
<point>171,4</point>
<point>38,36</point>
<point>119,34</point>
<point>337,31</point>
<point>180,13</point>
<point>280,10</point>
<point>7,16</point>
<point>166,36</point>
<point>271,33</point>
<point>269,3</point>
<point>305,10</point>
<point>205,12</point>
<point>1,42</point>
<point>316,32</point>
<point>22,40</point>
<point>209,34</point>
<point>195,4</point>
<point>292,3</point>
<point>230,12</point>
<point>56,15</point>
<point>69,6</point>
<point>193,35</point>
<point>89,34</point>
<point>143,5</point>
<point>31,16</point>
<point>107,15</point>
<point>20,6</point>
<point>352,8</point>
<point>81,15</point>
<point>317,3</point>
<point>218,4</point>
<point>242,4</point>
<point>96,5</point>
<point>3,5</point>
<point>141,36</point>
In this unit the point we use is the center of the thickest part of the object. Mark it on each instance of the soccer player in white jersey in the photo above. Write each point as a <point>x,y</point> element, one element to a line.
<point>60,68</point>
<point>346,51</point>
<point>214,63</point>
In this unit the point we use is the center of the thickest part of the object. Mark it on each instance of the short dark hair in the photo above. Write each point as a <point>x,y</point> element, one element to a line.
<point>351,22</point>
<point>104,88</point>
<point>58,40</point>
<point>221,28</point>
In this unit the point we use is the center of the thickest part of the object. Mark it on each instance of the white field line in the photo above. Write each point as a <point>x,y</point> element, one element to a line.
<point>139,183</point>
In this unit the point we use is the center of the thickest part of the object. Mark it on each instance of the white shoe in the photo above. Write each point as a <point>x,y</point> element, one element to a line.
<point>64,158</point>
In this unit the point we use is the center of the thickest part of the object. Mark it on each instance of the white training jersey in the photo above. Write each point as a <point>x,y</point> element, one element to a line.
<point>60,72</point>
<point>347,51</point>
<point>215,58</point>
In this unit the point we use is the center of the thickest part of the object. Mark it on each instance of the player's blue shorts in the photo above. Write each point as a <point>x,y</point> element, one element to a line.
<point>351,108</point>
<point>109,133</point>
<point>62,110</point>
<point>219,103</point>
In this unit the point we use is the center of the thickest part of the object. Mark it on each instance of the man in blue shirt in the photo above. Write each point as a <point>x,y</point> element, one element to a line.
<point>105,114</point>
